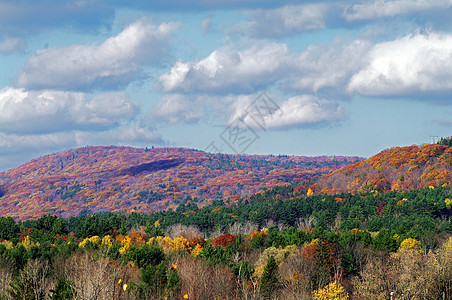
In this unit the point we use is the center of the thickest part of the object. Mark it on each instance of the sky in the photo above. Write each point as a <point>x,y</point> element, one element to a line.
<point>250,76</point>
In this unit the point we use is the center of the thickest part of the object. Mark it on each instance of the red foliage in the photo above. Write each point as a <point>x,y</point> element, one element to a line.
<point>380,207</point>
<point>118,179</point>
<point>341,200</point>
<point>224,240</point>
<point>298,190</point>
<point>137,237</point>
<point>61,237</point>
<point>324,254</point>
<point>24,234</point>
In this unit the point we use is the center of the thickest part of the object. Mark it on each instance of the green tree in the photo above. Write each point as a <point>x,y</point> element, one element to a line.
<point>47,227</point>
<point>145,255</point>
<point>153,231</point>
<point>154,280</point>
<point>270,282</point>
<point>9,230</point>
<point>63,290</point>
<point>385,240</point>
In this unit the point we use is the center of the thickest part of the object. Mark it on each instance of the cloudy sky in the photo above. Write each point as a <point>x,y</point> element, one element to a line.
<point>250,76</point>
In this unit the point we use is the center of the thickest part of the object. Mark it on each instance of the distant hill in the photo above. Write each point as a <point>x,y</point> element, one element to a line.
<point>398,168</point>
<point>125,179</point>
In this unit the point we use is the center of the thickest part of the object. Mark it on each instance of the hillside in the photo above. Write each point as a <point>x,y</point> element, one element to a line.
<point>398,168</point>
<point>125,179</point>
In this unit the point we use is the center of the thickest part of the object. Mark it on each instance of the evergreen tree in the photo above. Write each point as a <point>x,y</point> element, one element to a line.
<point>270,281</point>
<point>153,230</point>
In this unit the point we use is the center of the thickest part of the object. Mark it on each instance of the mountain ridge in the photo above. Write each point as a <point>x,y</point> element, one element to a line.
<point>126,179</point>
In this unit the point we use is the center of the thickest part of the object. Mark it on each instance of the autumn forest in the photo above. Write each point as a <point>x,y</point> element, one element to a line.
<point>170,223</point>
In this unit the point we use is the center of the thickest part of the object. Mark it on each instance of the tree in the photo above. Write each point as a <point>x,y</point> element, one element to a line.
<point>145,255</point>
<point>33,282</point>
<point>92,275</point>
<point>173,281</point>
<point>154,280</point>
<point>385,240</point>
<point>442,276</point>
<point>224,240</point>
<point>9,230</point>
<point>270,280</point>
<point>154,230</point>
<point>333,291</point>
<point>47,227</point>
<point>411,273</point>
<point>63,290</point>
<point>410,243</point>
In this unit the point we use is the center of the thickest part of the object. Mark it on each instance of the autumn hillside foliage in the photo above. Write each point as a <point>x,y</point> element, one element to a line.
<point>125,179</point>
<point>395,169</point>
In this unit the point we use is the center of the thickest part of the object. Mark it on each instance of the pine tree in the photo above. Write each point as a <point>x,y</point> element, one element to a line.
<point>270,281</point>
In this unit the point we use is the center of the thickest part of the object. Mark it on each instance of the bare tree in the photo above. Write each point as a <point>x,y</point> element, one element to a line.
<point>188,232</point>
<point>305,223</point>
<point>202,281</point>
<point>93,275</point>
<point>38,276</point>
<point>6,275</point>
<point>412,273</point>
<point>240,228</point>
<point>374,282</point>
<point>33,281</point>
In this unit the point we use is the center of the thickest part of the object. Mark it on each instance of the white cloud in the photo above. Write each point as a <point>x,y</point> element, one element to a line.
<point>419,64</point>
<point>229,70</point>
<point>25,111</point>
<point>413,65</point>
<point>383,8</point>
<point>116,62</point>
<point>176,108</point>
<point>10,45</point>
<point>328,66</point>
<point>283,21</point>
<point>13,144</point>
<point>206,24</point>
<point>17,149</point>
<point>295,112</point>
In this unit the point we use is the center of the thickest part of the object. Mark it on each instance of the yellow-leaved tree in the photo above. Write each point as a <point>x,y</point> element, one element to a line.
<point>333,291</point>
<point>448,203</point>
<point>126,242</point>
<point>27,242</point>
<point>107,241</point>
<point>410,243</point>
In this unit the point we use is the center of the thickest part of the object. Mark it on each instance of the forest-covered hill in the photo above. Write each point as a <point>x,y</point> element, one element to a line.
<point>125,179</point>
<point>394,169</point>
<point>277,244</point>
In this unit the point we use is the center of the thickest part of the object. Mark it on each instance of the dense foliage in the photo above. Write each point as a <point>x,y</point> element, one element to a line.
<point>395,169</point>
<point>278,244</point>
<point>410,214</point>
<point>124,179</point>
